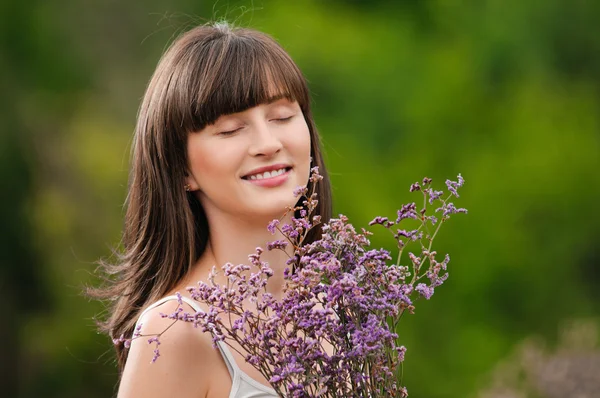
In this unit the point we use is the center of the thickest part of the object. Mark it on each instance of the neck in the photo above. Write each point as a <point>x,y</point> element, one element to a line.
<point>232,239</point>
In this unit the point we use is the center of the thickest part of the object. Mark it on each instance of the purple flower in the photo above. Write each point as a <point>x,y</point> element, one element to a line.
<point>424,290</point>
<point>381,221</point>
<point>337,292</point>
<point>127,342</point>
<point>272,227</point>
<point>277,244</point>
<point>453,185</point>
<point>314,175</point>
<point>300,191</point>
<point>415,234</point>
<point>407,211</point>
<point>401,353</point>
<point>449,208</point>
<point>433,194</point>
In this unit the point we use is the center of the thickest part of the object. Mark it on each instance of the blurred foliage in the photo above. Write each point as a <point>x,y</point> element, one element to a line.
<point>569,370</point>
<point>506,93</point>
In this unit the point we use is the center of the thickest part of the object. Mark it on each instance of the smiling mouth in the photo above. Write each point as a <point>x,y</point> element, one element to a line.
<point>267,174</point>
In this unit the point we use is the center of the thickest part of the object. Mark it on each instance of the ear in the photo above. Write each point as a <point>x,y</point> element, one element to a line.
<point>191,184</point>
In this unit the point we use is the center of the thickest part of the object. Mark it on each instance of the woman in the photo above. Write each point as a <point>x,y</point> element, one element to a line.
<point>224,135</point>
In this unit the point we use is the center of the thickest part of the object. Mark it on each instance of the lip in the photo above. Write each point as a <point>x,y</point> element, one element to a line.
<point>267,168</point>
<point>270,182</point>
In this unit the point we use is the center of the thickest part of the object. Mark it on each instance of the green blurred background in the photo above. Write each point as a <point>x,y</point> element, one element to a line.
<point>505,92</point>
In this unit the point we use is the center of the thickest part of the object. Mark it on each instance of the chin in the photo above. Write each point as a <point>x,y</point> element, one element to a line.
<point>274,208</point>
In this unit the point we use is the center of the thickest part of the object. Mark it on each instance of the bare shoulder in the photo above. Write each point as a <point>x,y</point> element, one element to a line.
<point>183,368</point>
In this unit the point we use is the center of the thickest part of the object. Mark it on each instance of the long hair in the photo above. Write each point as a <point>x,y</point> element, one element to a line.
<point>209,71</point>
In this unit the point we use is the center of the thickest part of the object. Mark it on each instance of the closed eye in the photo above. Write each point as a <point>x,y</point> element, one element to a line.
<point>228,133</point>
<point>285,119</point>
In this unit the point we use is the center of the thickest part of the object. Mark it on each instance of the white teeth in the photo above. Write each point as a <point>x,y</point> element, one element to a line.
<point>267,174</point>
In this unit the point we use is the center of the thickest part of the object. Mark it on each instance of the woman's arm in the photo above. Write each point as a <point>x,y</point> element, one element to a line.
<point>184,367</point>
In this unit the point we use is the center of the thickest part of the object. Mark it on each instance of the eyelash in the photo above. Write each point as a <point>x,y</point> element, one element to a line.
<point>231,132</point>
<point>228,133</point>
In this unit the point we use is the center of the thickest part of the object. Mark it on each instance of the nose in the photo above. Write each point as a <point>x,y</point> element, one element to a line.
<point>265,141</point>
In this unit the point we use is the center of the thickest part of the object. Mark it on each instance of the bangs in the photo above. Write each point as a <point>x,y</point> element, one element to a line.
<point>239,72</point>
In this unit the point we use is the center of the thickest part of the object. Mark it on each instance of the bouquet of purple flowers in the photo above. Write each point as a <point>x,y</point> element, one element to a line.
<point>334,331</point>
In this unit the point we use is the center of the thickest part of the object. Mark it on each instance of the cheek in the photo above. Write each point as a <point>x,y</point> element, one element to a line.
<point>301,145</point>
<point>198,159</point>
<point>301,140</point>
<point>205,162</point>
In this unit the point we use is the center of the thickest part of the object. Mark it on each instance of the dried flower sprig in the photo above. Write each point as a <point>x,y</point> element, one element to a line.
<point>334,331</point>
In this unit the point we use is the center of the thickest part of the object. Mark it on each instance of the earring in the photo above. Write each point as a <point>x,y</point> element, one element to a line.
<point>187,187</point>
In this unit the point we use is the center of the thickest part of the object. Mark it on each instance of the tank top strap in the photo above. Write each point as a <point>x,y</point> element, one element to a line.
<point>190,302</point>
<point>163,300</point>
<point>228,358</point>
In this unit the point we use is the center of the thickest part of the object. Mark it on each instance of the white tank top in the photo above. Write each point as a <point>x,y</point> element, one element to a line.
<point>243,385</point>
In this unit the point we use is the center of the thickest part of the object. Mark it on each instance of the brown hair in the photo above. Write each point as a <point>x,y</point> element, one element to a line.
<point>209,71</point>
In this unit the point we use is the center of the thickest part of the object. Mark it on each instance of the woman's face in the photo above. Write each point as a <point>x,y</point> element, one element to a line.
<point>248,163</point>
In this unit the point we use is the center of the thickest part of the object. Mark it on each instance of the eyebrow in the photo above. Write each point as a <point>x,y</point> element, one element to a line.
<point>276,98</point>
